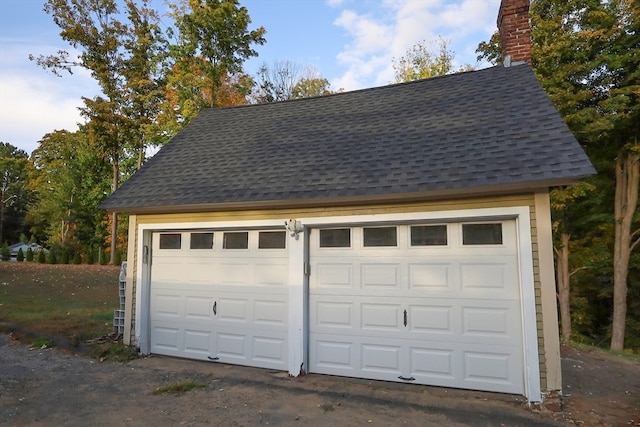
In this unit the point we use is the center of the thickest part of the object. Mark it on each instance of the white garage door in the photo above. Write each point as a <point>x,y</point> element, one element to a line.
<point>429,304</point>
<point>220,295</point>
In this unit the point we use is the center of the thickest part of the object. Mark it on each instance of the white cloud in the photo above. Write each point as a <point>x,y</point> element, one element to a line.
<point>390,27</point>
<point>34,102</point>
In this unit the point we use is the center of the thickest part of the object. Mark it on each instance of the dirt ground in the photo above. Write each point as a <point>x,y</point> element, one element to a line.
<point>43,387</point>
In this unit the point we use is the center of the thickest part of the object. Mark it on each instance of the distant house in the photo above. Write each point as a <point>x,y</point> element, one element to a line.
<point>398,233</point>
<point>15,248</point>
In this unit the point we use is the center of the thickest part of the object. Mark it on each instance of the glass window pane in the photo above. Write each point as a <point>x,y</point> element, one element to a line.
<point>482,234</point>
<point>235,240</point>
<point>429,235</point>
<point>170,241</point>
<point>335,238</point>
<point>380,236</point>
<point>272,239</point>
<point>201,241</point>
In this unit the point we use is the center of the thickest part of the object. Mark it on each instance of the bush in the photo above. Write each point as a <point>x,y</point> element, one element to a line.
<point>29,255</point>
<point>77,259</point>
<point>64,258</point>
<point>104,258</point>
<point>89,256</point>
<point>5,252</point>
<point>117,258</point>
<point>41,256</point>
<point>20,256</point>
<point>51,257</point>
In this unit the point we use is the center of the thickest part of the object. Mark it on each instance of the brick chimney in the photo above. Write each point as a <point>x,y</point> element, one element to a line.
<point>515,34</point>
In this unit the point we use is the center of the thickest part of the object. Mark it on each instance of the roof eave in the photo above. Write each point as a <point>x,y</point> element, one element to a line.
<point>459,193</point>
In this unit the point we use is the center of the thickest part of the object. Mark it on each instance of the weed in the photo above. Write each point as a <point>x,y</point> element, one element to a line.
<point>116,352</point>
<point>41,343</point>
<point>178,388</point>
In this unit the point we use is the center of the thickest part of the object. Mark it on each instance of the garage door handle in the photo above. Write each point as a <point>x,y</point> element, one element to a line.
<point>215,307</point>
<point>405,318</point>
<point>406,379</point>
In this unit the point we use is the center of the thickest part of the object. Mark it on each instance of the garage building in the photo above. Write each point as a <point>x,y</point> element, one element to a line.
<point>398,233</point>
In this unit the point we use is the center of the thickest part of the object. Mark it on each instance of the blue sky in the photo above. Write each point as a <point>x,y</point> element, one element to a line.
<point>352,43</point>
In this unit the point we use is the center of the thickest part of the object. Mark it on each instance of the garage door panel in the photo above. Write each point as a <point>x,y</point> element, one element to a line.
<point>380,359</point>
<point>433,365</point>
<point>488,368</point>
<point>198,307</point>
<point>197,342</point>
<point>432,319</point>
<point>272,274</point>
<point>333,275</point>
<point>497,275</point>
<point>269,349</point>
<point>380,275</point>
<point>380,317</point>
<point>234,273</point>
<point>167,338</point>
<point>485,321</point>
<point>231,346</point>
<point>427,277</point>
<point>270,313</point>
<point>232,310</point>
<point>332,314</point>
<point>497,321</point>
<point>167,305</point>
<point>332,356</point>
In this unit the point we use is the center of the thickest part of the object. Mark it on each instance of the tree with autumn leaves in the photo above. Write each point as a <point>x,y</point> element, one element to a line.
<point>150,87</point>
<point>586,54</point>
<point>153,81</point>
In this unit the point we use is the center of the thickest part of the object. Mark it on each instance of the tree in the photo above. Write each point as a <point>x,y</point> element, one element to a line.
<point>13,191</point>
<point>213,43</point>
<point>145,74</point>
<point>422,62</point>
<point>285,80</point>
<point>562,199</point>
<point>123,60</point>
<point>69,177</point>
<point>586,54</point>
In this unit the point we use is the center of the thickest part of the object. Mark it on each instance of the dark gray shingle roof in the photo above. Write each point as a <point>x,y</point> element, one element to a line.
<point>458,134</point>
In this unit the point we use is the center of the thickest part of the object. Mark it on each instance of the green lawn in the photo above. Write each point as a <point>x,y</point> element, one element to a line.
<point>65,303</point>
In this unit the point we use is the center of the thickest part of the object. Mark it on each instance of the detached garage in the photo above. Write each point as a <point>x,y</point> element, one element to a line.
<point>399,233</point>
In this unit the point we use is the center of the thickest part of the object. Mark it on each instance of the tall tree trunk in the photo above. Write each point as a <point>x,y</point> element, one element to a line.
<point>626,201</point>
<point>114,222</point>
<point>563,279</point>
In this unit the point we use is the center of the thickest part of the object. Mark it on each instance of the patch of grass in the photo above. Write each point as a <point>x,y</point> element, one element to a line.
<point>178,388</point>
<point>42,343</point>
<point>626,354</point>
<point>65,303</point>
<point>115,352</point>
<point>327,407</point>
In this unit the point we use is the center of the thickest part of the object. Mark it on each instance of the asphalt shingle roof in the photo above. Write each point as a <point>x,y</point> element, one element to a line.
<point>493,128</point>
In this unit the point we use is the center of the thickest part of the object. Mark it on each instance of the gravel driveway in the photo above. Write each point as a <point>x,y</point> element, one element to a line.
<point>52,387</point>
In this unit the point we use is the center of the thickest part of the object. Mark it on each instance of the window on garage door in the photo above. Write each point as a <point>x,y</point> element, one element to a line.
<point>235,240</point>
<point>380,236</point>
<point>170,241</point>
<point>482,234</point>
<point>272,240</point>
<point>335,238</point>
<point>429,235</point>
<point>201,241</point>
